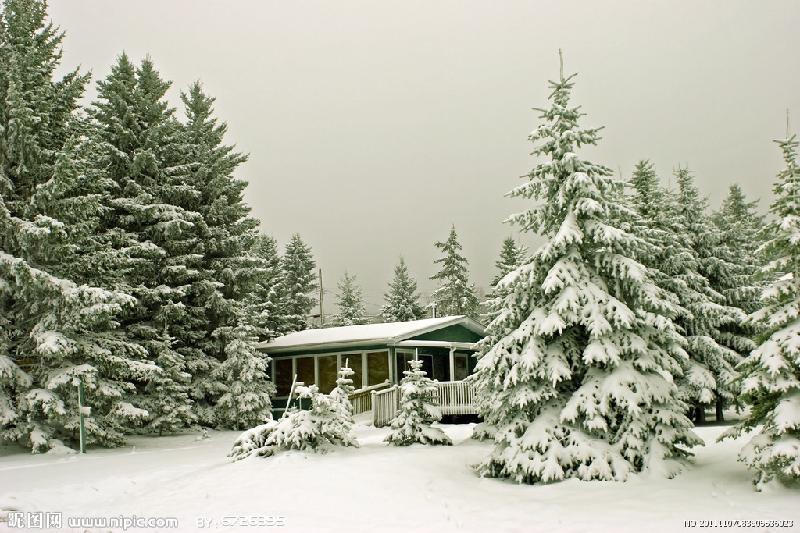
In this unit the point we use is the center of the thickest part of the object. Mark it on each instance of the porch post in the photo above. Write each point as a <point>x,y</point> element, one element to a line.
<point>392,364</point>
<point>416,354</point>
<point>452,363</point>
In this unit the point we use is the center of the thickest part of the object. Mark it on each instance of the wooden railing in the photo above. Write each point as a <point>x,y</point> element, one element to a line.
<point>361,399</point>
<point>454,398</point>
<point>384,405</point>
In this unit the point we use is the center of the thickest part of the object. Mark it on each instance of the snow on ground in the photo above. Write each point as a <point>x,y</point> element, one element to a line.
<point>376,488</point>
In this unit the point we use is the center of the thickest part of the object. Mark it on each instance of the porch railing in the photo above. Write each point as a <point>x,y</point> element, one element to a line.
<point>454,398</point>
<point>361,399</point>
<point>384,405</point>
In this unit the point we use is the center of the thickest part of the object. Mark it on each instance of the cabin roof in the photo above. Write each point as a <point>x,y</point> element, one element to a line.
<point>388,333</point>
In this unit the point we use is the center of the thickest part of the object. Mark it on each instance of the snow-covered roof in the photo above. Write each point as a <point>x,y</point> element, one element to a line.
<point>388,333</point>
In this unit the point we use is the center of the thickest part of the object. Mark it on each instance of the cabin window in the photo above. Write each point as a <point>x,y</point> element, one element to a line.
<point>377,367</point>
<point>327,373</point>
<point>305,370</point>
<point>354,360</point>
<point>283,376</point>
<point>402,364</point>
<point>461,370</point>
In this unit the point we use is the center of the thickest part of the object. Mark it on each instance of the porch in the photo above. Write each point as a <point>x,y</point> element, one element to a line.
<point>453,397</point>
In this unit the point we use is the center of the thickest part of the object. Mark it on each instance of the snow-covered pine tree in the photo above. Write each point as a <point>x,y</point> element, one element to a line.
<point>265,305</point>
<point>771,373</point>
<point>455,294</point>
<point>350,304</point>
<point>341,397</point>
<point>231,271</point>
<point>59,325</point>
<point>402,301</point>
<point>139,145</point>
<point>568,375</point>
<point>740,227</point>
<point>246,401</point>
<point>715,337</point>
<point>418,410</point>
<point>300,282</point>
<point>512,255</point>
<point>674,265</point>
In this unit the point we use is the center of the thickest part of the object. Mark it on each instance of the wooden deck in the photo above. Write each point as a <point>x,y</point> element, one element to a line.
<point>454,397</point>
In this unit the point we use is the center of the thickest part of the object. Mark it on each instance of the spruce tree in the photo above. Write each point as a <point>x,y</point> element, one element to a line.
<point>771,374</point>
<point>511,256</point>
<point>230,270</point>
<point>246,401</point>
<point>715,342</point>
<point>739,226</point>
<point>402,301</point>
<point>299,279</point>
<point>418,410</point>
<point>455,294</point>
<point>574,374</point>
<point>341,396</point>
<point>60,327</point>
<point>265,302</point>
<point>350,304</point>
<point>139,145</point>
<point>674,266</point>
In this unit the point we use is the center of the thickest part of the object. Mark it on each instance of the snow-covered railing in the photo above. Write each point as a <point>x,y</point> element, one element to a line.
<point>384,405</point>
<point>361,399</point>
<point>456,397</point>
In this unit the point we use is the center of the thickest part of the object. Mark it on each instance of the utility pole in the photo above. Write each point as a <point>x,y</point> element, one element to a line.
<point>321,293</point>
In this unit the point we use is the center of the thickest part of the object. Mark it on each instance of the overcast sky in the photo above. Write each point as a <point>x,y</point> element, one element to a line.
<point>372,126</point>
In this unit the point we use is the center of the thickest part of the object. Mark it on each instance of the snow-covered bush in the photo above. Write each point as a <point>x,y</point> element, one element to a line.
<point>327,424</point>
<point>418,410</point>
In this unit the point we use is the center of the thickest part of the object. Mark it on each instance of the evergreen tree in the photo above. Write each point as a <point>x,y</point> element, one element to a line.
<point>511,256</point>
<point>265,303</point>
<point>300,283</point>
<point>714,341</point>
<point>771,374</point>
<point>417,411</point>
<point>229,269</point>
<point>739,227</point>
<point>138,148</point>
<point>350,303</point>
<point>341,396</point>
<point>673,264</point>
<point>574,374</point>
<point>59,326</point>
<point>455,294</point>
<point>402,301</point>
<point>246,401</point>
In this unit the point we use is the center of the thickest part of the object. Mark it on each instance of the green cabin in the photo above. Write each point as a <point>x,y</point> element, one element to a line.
<point>377,353</point>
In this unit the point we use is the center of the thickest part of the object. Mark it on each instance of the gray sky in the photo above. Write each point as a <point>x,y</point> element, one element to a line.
<point>373,126</point>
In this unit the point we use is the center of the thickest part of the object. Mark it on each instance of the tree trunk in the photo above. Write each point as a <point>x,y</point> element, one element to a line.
<point>720,416</point>
<point>700,414</point>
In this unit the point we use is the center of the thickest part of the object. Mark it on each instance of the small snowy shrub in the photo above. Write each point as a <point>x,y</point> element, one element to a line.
<point>418,410</point>
<point>327,424</point>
